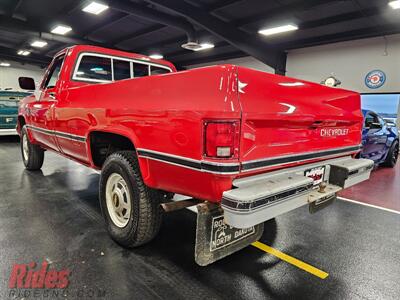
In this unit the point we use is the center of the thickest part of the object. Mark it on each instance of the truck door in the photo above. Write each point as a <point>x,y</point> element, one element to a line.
<point>374,137</point>
<point>42,111</point>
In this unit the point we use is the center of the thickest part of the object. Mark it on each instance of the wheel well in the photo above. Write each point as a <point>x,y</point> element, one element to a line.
<point>21,121</point>
<point>102,144</point>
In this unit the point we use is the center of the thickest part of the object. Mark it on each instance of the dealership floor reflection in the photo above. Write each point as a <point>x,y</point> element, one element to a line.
<point>54,215</point>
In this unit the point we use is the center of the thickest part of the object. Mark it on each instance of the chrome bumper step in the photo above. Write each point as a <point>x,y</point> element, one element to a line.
<point>256,199</point>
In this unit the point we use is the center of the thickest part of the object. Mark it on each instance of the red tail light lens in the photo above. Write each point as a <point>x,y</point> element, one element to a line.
<point>221,139</point>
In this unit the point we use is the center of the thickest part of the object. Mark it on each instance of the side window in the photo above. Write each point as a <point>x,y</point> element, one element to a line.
<point>52,77</point>
<point>122,69</point>
<point>94,68</point>
<point>140,70</point>
<point>157,70</point>
<point>369,119</point>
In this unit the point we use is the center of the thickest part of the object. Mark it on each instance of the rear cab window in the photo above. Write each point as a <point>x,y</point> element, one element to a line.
<point>92,67</point>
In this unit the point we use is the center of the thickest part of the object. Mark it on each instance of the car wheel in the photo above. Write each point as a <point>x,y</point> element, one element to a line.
<point>131,210</point>
<point>392,156</point>
<point>32,155</point>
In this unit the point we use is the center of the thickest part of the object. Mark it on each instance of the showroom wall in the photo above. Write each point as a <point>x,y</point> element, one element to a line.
<point>247,61</point>
<point>350,62</point>
<point>9,75</point>
<point>347,61</point>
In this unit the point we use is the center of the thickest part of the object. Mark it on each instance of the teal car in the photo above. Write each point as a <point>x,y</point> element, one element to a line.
<point>9,111</point>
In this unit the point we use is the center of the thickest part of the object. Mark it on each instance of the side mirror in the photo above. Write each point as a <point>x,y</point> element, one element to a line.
<point>375,126</point>
<point>26,83</point>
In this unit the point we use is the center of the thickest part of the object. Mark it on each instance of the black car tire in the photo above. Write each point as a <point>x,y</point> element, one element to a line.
<point>144,220</point>
<point>32,155</point>
<point>392,156</point>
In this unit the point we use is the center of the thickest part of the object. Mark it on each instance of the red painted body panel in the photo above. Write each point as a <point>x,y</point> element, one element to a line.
<point>166,113</point>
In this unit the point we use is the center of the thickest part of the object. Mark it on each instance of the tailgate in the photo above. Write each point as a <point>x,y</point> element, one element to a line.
<point>290,121</point>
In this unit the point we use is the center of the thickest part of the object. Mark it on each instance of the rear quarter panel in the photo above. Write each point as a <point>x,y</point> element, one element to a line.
<point>162,113</point>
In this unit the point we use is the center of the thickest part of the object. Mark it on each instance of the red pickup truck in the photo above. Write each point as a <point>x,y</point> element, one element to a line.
<point>247,146</point>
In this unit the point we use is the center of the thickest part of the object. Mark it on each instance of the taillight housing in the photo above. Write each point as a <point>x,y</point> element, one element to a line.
<point>221,139</point>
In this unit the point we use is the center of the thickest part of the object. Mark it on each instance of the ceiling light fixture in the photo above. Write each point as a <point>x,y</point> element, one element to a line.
<point>39,44</point>
<point>95,8</point>
<point>394,4</point>
<point>24,52</point>
<point>279,29</point>
<point>61,29</point>
<point>194,46</point>
<point>156,56</point>
<point>204,46</point>
<point>5,64</point>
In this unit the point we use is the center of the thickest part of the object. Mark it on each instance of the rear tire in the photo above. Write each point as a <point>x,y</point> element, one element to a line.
<point>32,155</point>
<point>392,156</point>
<point>131,210</point>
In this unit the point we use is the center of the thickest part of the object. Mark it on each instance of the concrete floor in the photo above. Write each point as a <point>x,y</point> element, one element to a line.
<point>54,215</point>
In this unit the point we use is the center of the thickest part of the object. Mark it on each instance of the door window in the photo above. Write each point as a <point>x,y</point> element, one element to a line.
<point>54,73</point>
<point>369,119</point>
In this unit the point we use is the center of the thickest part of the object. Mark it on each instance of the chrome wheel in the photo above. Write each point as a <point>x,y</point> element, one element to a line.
<point>25,147</point>
<point>118,200</point>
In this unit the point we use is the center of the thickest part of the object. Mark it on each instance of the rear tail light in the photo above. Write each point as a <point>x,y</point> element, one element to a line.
<point>221,139</point>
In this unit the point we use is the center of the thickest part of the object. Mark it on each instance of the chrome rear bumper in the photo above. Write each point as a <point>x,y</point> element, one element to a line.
<point>8,132</point>
<point>256,199</point>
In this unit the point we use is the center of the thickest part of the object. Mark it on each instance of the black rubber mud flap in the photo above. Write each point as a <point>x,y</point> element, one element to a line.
<point>215,239</point>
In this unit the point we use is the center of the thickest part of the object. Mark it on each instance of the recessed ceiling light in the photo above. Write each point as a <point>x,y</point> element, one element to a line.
<point>24,52</point>
<point>395,4</point>
<point>5,64</point>
<point>279,29</point>
<point>95,8</point>
<point>61,29</point>
<point>39,44</point>
<point>156,56</point>
<point>204,46</point>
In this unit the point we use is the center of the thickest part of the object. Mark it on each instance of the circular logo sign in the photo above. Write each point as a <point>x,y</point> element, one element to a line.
<point>375,79</point>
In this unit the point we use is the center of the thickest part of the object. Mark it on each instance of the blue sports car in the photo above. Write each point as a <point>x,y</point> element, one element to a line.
<point>380,140</point>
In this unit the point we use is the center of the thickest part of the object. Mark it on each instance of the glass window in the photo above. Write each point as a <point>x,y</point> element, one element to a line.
<point>94,67</point>
<point>157,70</point>
<point>122,69</point>
<point>54,72</point>
<point>140,70</point>
<point>369,119</point>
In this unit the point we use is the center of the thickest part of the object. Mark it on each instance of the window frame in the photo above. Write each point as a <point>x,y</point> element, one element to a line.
<point>372,114</point>
<point>48,75</point>
<point>112,58</point>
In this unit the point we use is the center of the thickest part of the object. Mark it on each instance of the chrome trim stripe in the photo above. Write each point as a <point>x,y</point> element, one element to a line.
<point>64,135</point>
<point>198,165</point>
<point>276,161</point>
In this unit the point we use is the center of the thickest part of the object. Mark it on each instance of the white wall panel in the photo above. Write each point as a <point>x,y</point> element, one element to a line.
<point>349,62</point>
<point>9,75</point>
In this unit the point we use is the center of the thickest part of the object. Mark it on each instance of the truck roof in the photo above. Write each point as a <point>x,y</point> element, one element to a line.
<point>119,53</point>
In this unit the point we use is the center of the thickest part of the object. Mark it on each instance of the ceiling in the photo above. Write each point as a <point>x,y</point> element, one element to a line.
<point>162,26</point>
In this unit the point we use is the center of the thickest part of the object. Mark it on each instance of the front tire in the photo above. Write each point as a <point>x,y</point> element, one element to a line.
<point>392,156</point>
<point>32,155</point>
<point>131,210</point>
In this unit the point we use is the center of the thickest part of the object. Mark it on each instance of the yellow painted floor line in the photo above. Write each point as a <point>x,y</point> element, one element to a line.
<point>291,260</point>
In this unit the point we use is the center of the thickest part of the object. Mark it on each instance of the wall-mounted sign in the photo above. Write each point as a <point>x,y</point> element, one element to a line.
<point>331,81</point>
<point>375,79</point>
